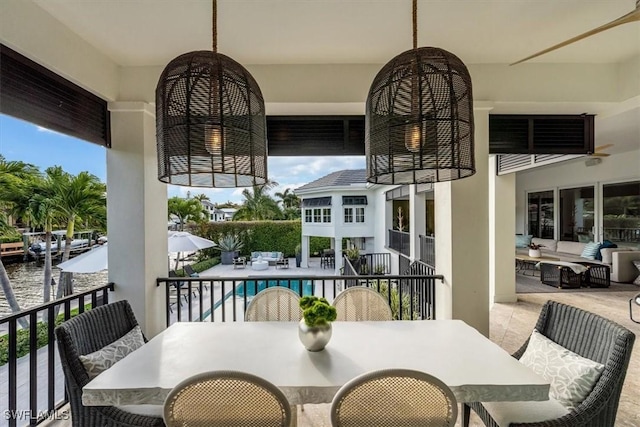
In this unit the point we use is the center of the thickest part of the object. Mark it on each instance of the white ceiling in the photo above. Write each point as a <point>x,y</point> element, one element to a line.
<point>152,32</point>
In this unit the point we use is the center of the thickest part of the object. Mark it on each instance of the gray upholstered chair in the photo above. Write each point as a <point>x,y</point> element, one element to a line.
<point>274,304</point>
<point>226,398</point>
<point>360,303</point>
<point>592,337</point>
<point>394,398</point>
<point>85,334</point>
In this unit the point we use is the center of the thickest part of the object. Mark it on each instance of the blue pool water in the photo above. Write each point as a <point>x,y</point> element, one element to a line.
<point>251,288</point>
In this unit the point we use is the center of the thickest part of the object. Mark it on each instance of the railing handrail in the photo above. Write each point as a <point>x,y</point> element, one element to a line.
<point>400,232</point>
<point>162,280</point>
<point>59,301</point>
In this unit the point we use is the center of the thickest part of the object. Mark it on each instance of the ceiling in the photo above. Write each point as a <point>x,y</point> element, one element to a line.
<point>152,32</point>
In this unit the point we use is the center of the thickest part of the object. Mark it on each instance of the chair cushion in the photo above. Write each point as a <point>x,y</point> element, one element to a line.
<point>522,241</point>
<point>572,376</point>
<point>101,360</point>
<point>148,410</point>
<point>505,413</point>
<point>590,250</point>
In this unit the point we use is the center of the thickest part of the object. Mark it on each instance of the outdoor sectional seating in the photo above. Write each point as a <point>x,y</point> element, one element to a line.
<point>270,257</point>
<point>619,260</point>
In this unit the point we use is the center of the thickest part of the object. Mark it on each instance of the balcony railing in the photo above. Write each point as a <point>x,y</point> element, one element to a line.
<point>225,299</point>
<point>399,241</point>
<point>31,370</point>
<point>428,250</point>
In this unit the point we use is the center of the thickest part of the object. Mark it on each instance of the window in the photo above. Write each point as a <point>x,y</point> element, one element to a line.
<point>326,215</point>
<point>307,215</point>
<point>351,214</point>
<point>577,214</point>
<point>540,214</point>
<point>317,215</point>
<point>354,200</point>
<point>621,213</point>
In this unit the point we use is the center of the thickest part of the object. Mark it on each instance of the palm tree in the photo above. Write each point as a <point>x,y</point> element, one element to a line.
<point>73,197</point>
<point>42,213</point>
<point>288,199</point>
<point>200,197</point>
<point>185,210</point>
<point>258,205</point>
<point>5,283</point>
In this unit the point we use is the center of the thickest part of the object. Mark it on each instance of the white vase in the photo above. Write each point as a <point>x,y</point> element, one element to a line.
<point>314,338</point>
<point>535,253</point>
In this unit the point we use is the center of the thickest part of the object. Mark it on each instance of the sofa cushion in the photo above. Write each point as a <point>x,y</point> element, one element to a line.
<point>522,241</point>
<point>590,250</point>
<point>505,413</point>
<point>573,248</point>
<point>572,376</point>
<point>101,360</point>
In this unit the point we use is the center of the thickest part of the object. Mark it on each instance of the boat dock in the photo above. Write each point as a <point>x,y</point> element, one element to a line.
<point>84,240</point>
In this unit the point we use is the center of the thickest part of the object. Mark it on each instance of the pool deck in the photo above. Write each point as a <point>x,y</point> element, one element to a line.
<point>210,278</point>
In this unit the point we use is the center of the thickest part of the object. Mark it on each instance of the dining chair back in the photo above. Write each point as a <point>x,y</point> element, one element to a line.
<point>226,398</point>
<point>592,337</point>
<point>87,333</point>
<point>360,303</point>
<point>394,398</point>
<point>274,304</point>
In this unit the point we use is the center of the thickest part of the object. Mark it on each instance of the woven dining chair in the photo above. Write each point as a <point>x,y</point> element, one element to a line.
<point>394,398</point>
<point>274,304</point>
<point>360,303</point>
<point>590,336</point>
<point>226,398</point>
<point>85,334</point>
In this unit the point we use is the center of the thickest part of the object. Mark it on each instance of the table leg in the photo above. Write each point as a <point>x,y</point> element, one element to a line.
<point>294,415</point>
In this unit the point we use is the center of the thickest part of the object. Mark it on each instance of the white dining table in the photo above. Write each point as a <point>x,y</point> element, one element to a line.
<point>473,367</point>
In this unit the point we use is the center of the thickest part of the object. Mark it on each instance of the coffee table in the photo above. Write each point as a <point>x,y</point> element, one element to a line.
<point>260,265</point>
<point>636,264</point>
<point>526,263</point>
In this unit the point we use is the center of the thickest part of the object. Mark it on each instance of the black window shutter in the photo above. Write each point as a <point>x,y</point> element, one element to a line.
<point>30,92</point>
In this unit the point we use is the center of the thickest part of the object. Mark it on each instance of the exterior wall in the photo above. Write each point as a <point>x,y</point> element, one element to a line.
<point>573,173</point>
<point>337,228</point>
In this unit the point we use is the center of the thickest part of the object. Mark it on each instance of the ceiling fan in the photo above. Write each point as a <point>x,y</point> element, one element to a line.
<point>599,151</point>
<point>633,16</point>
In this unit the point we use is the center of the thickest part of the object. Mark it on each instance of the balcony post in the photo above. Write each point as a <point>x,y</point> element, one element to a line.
<point>136,213</point>
<point>462,242</point>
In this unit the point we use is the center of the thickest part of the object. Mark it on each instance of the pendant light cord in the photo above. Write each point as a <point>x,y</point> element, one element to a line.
<point>415,24</point>
<point>214,25</point>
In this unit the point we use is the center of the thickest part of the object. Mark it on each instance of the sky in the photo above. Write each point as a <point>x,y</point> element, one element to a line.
<point>26,142</point>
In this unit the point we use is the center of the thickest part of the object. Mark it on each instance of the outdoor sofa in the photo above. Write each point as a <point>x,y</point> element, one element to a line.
<point>270,257</point>
<point>619,259</point>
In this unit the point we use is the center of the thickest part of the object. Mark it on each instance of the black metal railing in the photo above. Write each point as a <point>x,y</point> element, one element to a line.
<point>399,241</point>
<point>225,299</point>
<point>428,250</point>
<point>27,399</point>
<point>375,263</point>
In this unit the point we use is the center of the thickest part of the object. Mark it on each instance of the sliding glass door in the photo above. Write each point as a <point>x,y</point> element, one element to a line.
<point>621,213</point>
<point>540,214</point>
<point>577,214</point>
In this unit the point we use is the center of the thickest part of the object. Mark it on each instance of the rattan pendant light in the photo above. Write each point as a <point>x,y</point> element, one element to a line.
<point>419,118</point>
<point>211,123</point>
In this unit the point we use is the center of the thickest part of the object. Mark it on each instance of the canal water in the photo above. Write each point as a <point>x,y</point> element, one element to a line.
<point>27,281</point>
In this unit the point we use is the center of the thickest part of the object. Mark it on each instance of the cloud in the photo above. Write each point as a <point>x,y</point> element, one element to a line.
<point>43,129</point>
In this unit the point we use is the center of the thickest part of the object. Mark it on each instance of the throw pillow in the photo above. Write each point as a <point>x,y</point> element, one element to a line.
<point>101,360</point>
<point>604,245</point>
<point>522,241</point>
<point>590,250</point>
<point>572,376</point>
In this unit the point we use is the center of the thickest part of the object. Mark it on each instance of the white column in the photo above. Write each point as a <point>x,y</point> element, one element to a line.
<point>417,221</point>
<point>136,214</point>
<point>338,255</point>
<point>305,252</point>
<point>502,226</point>
<point>462,239</point>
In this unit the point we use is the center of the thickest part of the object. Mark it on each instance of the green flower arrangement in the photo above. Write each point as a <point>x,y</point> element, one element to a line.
<point>317,311</point>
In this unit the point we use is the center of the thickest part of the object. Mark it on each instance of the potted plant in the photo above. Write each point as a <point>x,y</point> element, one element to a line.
<point>298,255</point>
<point>534,250</point>
<point>314,330</point>
<point>229,245</point>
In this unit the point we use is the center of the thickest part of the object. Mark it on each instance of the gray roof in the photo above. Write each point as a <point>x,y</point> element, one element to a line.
<point>338,179</point>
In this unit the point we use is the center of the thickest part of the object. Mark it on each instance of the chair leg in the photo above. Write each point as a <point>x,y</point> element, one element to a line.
<point>466,413</point>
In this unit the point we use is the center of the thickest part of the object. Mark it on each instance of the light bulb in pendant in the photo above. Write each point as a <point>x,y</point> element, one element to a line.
<point>413,138</point>
<point>213,140</point>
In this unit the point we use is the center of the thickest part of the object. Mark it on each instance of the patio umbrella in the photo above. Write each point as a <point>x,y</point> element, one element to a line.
<point>183,241</point>
<point>89,262</point>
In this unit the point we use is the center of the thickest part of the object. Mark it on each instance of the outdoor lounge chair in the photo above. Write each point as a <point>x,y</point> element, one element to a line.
<point>394,397</point>
<point>592,337</point>
<point>226,398</point>
<point>84,334</point>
